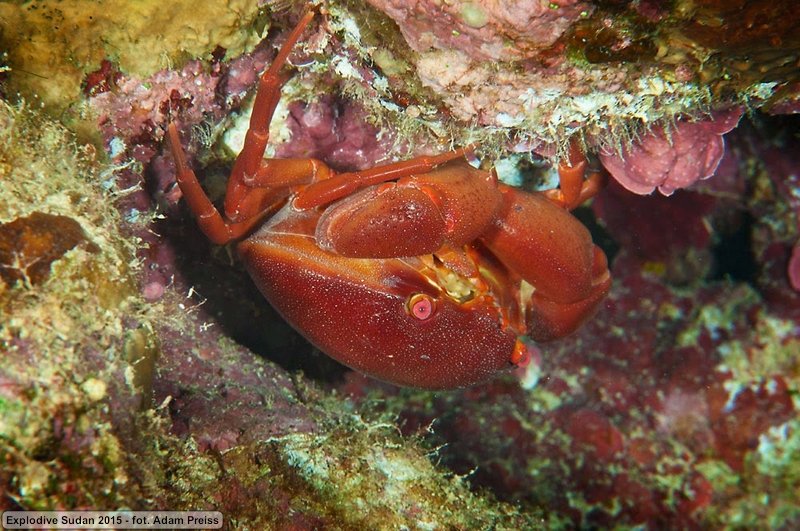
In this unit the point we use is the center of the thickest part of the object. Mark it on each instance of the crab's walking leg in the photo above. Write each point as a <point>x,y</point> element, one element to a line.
<point>209,219</point>
<point>574,187</point>
<point>242,200</point>
<point>341,185</point>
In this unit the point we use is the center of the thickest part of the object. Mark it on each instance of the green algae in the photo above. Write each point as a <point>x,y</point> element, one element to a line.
<point>52,333</point>
<point>359,462</point>
<point>765,493</point>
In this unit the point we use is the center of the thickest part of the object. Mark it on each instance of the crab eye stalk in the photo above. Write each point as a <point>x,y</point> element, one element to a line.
<point>420,306</point>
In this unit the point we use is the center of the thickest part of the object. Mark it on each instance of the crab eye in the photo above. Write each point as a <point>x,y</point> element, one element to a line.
<point>420,306</point>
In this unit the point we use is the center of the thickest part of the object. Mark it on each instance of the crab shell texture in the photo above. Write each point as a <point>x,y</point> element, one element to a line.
<point>356,309</point>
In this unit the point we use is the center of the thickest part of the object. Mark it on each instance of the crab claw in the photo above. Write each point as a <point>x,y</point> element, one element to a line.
<point>416,215</point>
<point>553,252</point>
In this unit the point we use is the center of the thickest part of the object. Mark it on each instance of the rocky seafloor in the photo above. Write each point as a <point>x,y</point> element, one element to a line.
<point>141,370</point>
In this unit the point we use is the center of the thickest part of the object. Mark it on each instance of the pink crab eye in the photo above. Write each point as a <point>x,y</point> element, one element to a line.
<point>420,306</point>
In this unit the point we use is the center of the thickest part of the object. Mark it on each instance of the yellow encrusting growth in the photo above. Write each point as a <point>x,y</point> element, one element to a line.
<point>49,329</point>
<point>53,45</point>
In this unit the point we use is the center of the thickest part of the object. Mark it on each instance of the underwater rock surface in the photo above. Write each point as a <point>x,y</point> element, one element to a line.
<point>141,370</point>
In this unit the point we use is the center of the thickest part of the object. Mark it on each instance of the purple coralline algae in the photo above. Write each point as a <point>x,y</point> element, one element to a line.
<point>484,30</point>
<point>794,267</point>
<point>689,152</point>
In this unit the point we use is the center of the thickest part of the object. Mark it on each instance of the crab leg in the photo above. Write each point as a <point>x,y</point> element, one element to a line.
<point>209,219</point>
<point>244,205</point>
<point>341,185</point>
<point>574,187</point>
<point>242,201</point>
<point>548,319</point>
<point>415,215</point>
<point>254,183</point>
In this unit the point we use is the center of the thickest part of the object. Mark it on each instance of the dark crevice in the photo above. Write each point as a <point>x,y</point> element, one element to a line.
<point>601,237</point>
<point>733,254</point>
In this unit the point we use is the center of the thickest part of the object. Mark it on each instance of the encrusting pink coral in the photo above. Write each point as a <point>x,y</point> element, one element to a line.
<point>336,131</point>
<point>137,108</point>
<point>675,158</point>
<point>484,30</point>
<point>794,267</point>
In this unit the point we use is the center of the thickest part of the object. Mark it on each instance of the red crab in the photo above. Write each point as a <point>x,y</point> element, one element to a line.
<point>424,273</point>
